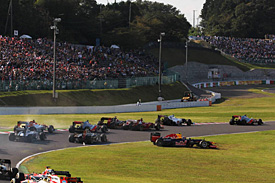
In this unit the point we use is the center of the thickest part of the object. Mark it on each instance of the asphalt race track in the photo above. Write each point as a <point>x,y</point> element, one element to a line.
<point>16,151</point>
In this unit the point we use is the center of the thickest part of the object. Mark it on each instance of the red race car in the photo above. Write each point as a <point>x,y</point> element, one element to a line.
<point>112,123</point>
<point>81,126</point>
<point>177,140</point>
<point>140,125</point>
<point>244,120</point>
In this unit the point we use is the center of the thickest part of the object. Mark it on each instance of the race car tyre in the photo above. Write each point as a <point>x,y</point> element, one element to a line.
<point>51,129</point>
<point>189,122</point>
<point>157,127</point>
<point>104,129</point>
<point>14,171</point>
<point>12,137</point>
<point>140,127</point>
<point>42,136</point>
<point>19,177</point>
<point>166,121</point>
<point>231,122</point>
<point>88,140</point>
<point>238,122</point>
<point>15,128</point>
<point>112,125</point>
<point>103,138</point>
<point>183,121</point>
<point>71,129</point>
<point>159,142</point>
<point>71,138</point>
<point>125,127</point>
<point>131,127</point>
<point>30,138</point>
<point>260,122</point>
<point>203,144</point>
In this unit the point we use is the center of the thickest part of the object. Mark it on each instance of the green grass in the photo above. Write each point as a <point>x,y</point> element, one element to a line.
<point>240,158</point>
<point>254,107</point>
<point>202,54</point>
<point>91,97</point>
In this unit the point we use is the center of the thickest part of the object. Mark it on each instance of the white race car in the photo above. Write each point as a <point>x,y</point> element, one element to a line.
<point>48,176</point>
<point>32,124</point>
<point>28,134</point>
<point>172,120</point>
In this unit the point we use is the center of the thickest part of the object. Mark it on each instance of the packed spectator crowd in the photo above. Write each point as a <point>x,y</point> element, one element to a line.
<point>257,51</point>
<point>32,59</point>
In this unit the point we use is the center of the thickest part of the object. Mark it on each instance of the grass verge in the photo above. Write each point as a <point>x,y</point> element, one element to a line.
<point>254,107</point>
<point>91,97</point>
<point>236,160</point>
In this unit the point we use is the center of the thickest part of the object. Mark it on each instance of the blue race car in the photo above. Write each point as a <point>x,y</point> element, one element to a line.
<point>177,140</point>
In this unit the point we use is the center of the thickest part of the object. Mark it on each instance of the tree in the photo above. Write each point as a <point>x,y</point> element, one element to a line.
<point>239,18</point>
<point>84,20</point>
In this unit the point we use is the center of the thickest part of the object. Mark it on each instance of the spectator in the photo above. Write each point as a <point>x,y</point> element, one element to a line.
<point>27,60</point>
<point>258,51</point>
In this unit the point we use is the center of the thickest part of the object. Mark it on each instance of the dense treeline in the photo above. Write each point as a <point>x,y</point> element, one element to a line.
<point>239,18</point>
<point>83,21</point>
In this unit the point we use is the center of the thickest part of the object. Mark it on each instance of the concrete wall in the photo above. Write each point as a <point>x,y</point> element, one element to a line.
<point>198,72</point>
<point>100,109</point>
<point>232,83</point>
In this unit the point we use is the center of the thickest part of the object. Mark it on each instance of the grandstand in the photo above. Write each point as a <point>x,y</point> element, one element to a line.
<point>249,50</point>
<point>27,64</point>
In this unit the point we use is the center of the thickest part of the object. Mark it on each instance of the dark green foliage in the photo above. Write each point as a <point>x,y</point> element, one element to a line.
<point>83,21</point>
<point>239,18</point>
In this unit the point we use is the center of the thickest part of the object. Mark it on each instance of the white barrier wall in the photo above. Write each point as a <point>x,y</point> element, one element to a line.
<point>232,83</point>
<point>99,109</point>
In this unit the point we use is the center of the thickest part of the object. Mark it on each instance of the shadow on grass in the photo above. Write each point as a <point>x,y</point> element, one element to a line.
<point>223,99</point>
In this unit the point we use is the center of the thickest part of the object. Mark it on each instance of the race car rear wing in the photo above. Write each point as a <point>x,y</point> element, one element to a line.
<point>66,173</point>
<point>68,178</point>
<point>104,118</point>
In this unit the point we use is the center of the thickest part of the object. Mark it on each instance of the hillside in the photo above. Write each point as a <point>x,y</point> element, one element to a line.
<point>199,51</point>
<point>91,97</point>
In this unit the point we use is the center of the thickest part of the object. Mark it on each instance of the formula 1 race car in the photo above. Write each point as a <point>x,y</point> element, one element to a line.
<point>80,126</point>
<point>140,125</point>
<point>32,124</point>
<point>28,134</point>
<point>48,176</point>
<point>244,120</point>
<point>6,172</point>
<point>177,140</point>
<point>112,123</point>
<point>87,137</point>
<point>172,120</point>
